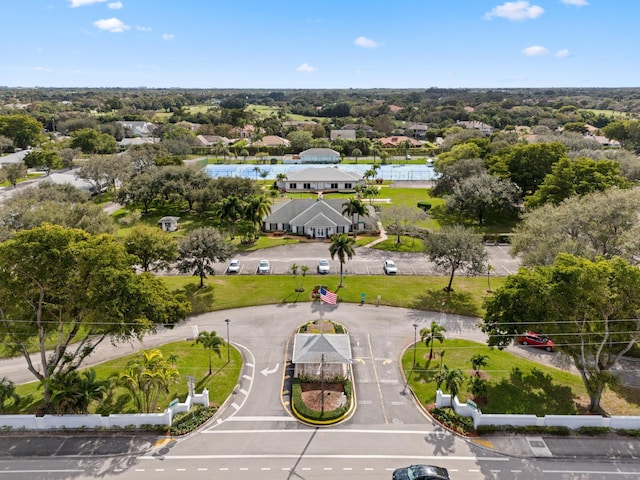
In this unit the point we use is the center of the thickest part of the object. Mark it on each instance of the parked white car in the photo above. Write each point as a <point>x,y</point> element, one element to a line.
<point>390,267</point>
<point>264,267</point>
<point>234,266</point>
<point>323,267</point>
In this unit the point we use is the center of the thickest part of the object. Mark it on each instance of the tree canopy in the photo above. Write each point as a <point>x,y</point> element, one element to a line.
<point>74,289</point>
<point>589,308</point>
<point>576,177</point>
<point>456,247</point>
<point>605,224</point>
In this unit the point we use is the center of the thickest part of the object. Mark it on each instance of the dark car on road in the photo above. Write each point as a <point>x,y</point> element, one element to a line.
<point>535,340</point>
<point>421,472</point>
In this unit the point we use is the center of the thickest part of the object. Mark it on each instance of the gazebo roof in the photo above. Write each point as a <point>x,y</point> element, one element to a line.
<point>325,348</point>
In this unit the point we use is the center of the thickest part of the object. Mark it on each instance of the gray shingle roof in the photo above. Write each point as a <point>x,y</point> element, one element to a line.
<point>326,174</point>
<point>309,348</point>
<point>303,210</point>
<point>319,152</point>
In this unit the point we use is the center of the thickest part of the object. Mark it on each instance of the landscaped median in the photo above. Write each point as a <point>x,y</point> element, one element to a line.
<point>322,390</point>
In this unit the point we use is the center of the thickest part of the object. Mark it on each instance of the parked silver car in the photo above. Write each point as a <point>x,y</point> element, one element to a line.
<point>264,267</point>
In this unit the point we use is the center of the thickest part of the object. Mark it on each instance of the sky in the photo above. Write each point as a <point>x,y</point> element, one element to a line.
<point>307,44</point>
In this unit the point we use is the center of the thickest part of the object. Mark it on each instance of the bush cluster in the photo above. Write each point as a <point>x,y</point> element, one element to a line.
<point>186,422</point>
<point>450,419</point>
<point>313,415</point>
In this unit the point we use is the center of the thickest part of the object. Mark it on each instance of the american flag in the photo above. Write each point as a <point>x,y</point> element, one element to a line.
<point>327,296</point>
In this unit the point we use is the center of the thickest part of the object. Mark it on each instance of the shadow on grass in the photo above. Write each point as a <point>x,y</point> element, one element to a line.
<point>532,393</point>
<point>628,392</point>
<point>458,301</point>
<point>201,298</point>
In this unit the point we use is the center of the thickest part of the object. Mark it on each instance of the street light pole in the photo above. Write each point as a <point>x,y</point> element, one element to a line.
<point>415,342</point>
<point>227,321</point>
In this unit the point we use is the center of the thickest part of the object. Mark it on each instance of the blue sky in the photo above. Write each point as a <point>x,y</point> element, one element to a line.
<point>330,44</point>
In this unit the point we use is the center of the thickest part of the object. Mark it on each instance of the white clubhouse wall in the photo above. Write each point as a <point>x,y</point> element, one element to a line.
<point>570,421</point>
<point>133,420</point>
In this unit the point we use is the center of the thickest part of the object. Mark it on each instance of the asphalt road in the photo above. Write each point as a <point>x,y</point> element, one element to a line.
<point>253,436</point>
<point>366,261</point>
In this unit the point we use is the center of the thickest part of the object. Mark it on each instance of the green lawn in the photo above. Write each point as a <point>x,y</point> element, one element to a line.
<point>423,293</point>
<point>516,385</point>
<point>407,244</point>
<point>193,360</point>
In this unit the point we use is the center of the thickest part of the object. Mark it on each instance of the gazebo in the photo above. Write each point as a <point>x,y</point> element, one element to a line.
<point>329,353</point>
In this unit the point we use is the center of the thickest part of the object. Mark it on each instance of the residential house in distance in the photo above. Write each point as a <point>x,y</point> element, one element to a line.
<point>299,124</point>
<point>367,129</point>
<point>138,128</point>
<point>271,141</point>
<point>316,218</point>
<point>393,142</point>
<point>346,134</point>
<point>324,179</point>
<point>476,125</point>
<point>211,140</point>
<point>416,130</point>
<point>314,155</point>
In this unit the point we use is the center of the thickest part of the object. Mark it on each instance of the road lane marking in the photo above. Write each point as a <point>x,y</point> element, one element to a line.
<point>318,456</point>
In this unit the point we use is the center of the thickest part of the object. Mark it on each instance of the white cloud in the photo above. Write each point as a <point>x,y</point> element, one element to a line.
<point>143,29</point>
<point>577,3</point>
<point>42,69</point>
<point>535,51</point>
<point>113,25</point>
<point>80,3</point>
<point>517,11</point>
<point>366,42</point>
<point>168,36</point>
<point>562,53</point>
<point>306,68</point>
<point>115,5</point>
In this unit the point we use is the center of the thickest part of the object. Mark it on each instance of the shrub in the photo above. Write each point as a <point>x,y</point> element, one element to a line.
<point>312,415</point>
<point>426,206</point>
<point>450,419</point>
<point>186,422</point>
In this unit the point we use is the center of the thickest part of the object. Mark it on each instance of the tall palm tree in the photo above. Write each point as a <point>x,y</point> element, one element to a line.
<point>210,341</point>
<point>430,335</point>
<point>342,246</point>
<point>453,379</point>
<point>353,207</point>
<point>229,210</point>
<point>280,179</point>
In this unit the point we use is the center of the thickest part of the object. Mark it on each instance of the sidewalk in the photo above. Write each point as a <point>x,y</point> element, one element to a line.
<point>608,446</point>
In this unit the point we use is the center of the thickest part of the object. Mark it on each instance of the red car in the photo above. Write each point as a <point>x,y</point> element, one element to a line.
<point>538,341</point>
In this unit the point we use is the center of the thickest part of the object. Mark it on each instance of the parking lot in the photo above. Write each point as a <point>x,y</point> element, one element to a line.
<point>366,261</point>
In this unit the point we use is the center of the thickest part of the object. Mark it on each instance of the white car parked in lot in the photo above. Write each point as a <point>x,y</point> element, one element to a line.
<point>323,266</point>
<point>390,267</point>
<point>234,266</point>
<point>263,267</point>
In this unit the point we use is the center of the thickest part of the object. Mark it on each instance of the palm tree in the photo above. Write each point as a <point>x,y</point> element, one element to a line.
<point>210,341</point>
<point>452,381</point>
<point>74,391</point>
<point>353,207</point>
<point>342,246</point>
<point>280,179</point>
<point>430,335</point>
<point>478,387</point>
<point>257,170</point>
<point>229,210</point>
<point>146,377</point>
<point>477,361</point>
<point>303,269</point>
